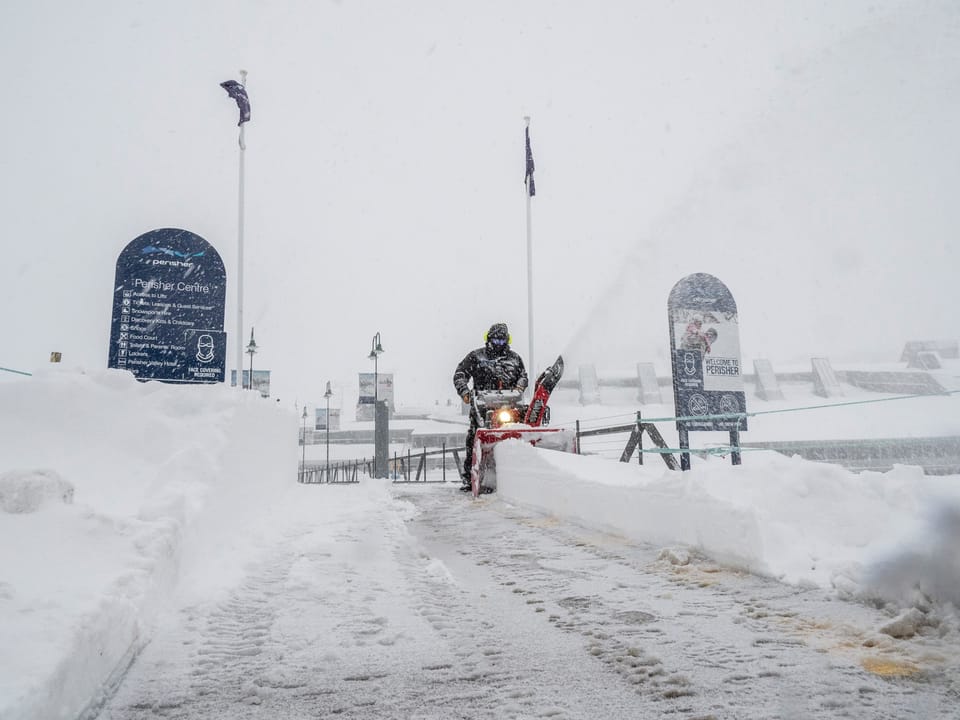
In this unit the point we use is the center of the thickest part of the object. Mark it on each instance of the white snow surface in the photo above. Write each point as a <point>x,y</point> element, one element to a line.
<point>120,501</point>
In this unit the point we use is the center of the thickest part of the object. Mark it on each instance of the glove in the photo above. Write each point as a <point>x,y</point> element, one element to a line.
<point>466,398</point>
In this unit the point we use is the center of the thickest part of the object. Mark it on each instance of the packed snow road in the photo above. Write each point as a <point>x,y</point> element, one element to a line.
<point>424,603</point>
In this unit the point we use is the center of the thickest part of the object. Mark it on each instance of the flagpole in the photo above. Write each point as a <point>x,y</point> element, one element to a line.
<point>239,338</point>
<point>531,365</point>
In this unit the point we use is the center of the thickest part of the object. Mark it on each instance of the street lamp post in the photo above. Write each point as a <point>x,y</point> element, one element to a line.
<point>380,445</point>
<point>326,396</point>
<point>375,349</point>
<point>251,351</point>
<point>303,457</point>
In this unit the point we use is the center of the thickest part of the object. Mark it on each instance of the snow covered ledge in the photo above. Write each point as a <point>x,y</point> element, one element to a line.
<point>114,495</point>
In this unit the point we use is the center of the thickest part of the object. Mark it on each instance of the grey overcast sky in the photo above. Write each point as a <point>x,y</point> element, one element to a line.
<point>805,152</point>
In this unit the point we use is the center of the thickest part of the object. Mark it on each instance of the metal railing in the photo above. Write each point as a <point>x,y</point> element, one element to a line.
<point>401,466</point>
<point>631,440</point>
<point>423,465</point>
<point>342,472</point>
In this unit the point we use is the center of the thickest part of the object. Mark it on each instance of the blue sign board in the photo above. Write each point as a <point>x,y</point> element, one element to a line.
<point>168,305</point>
<point>705,347</point>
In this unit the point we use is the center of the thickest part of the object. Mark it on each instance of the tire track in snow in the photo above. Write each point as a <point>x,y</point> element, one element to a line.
<point>489,611</point>
<point>364,625</point>
<point>694,639</point>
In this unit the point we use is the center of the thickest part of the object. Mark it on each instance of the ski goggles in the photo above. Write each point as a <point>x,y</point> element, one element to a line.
<point>498,341</point>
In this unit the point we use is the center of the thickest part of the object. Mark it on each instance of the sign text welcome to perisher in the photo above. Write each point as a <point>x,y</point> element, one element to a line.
<point>168,307</point>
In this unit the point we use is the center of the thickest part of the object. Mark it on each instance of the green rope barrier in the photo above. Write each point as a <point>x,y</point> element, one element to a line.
<point>726,416</point>
<point>719,450</point>
<point>694,451</point>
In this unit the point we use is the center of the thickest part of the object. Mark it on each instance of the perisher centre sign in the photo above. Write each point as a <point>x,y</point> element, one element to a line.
<point>705,345</point>
<point>168,307</point>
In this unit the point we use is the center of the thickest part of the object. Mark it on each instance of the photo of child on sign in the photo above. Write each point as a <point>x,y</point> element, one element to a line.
<point>695,338</point>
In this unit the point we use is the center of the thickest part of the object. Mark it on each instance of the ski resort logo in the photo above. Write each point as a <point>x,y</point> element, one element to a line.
<point>181,259</point>
<point>701,300</point>
<point>153,250</point>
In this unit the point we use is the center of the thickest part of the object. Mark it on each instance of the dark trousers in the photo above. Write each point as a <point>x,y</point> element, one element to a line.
<point>471,434</point>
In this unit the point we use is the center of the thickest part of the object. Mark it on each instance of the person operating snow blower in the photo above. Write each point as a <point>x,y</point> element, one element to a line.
<point>493,367</point>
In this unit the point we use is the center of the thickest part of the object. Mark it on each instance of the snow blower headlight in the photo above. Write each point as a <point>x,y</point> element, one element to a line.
<point>505,416</point>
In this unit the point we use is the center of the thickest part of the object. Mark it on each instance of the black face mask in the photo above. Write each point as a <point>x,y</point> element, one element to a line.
<point>497,346</point>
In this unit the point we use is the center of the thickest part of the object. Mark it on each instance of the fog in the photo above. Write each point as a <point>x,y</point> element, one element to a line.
<point>804,153</point>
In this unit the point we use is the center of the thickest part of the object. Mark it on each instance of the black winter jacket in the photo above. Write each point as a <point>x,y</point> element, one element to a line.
<point>490,372</point>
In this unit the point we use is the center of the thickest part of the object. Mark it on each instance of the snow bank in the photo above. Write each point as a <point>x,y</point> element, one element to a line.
<point>885,536</point>
<point>156,474</point>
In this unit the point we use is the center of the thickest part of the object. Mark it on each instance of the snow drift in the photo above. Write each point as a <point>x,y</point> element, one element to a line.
<point>109,488</point>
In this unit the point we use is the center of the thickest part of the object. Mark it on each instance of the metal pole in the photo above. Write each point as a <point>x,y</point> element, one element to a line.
<point>328,438</point>
<point>530,364</point>
<point>684,445</point>
<point>243,149</point>
<point>735,444</point>
<point>639,438</point>
<point>303,460</point>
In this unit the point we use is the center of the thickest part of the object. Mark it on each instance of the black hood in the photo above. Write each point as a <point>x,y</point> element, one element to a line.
<point>498,331</point>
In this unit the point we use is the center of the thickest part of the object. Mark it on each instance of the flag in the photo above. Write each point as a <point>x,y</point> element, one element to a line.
<point>528,179</point>
<point>239,93</point>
